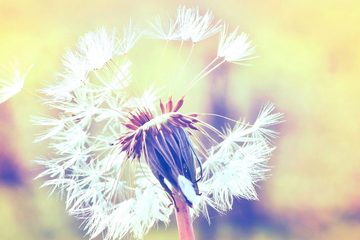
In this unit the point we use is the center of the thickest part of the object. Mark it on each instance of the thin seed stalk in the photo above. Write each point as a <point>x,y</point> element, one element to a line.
<point>183,219</point>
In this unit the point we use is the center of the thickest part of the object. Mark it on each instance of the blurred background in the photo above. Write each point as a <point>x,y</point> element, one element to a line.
<point>308,66</point>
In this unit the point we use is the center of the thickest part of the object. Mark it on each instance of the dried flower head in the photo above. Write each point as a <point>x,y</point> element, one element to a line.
<point>120,160</point>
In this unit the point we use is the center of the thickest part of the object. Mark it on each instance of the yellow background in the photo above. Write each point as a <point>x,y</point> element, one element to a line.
<point>307,65</point>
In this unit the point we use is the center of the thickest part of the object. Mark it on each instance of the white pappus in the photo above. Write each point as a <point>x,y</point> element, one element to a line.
<point>118,159</point>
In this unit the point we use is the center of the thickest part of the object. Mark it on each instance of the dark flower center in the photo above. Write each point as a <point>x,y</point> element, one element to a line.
<point>164,143</point>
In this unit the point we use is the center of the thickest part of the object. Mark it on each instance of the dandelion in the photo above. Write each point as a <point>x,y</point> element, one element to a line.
<point>124,162</point>
<point>11,83</point>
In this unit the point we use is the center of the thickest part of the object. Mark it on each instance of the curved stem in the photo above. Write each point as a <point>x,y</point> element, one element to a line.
<point>183,219</point>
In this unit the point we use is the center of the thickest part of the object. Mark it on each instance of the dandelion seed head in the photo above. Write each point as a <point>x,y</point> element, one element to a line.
<point>119,159</point>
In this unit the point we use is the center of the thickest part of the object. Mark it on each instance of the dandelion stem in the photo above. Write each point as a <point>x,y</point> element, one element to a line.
<point>183,219</point>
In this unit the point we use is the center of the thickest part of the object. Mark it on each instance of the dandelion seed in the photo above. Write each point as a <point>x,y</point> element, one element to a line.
<point>124,162</point>
<point>97,48</point>
<point>234,47</point>
<point>163,30</point>
<point>205,27</point>
<point>130,36</point>
<point>11,83</point>
<point>189,25</point>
